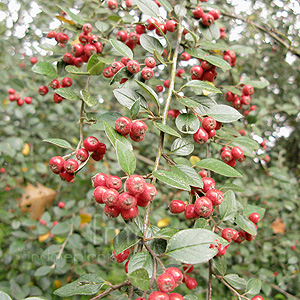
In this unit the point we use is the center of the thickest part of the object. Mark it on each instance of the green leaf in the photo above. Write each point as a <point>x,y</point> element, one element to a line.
<point>205,103</point>
<point>135,109</point>
<point>45,68</point>
<point>95,66</point>
<point>114,136</point>
<point>159,58</point>
<point>140,279</point>
<point>171,179</point>
<point>167,129</point>
<point>102,26</point>
<point>124,240</point>
<point>187,123</point>
<point>61,228</point>
<point>192,35</point>
<point>122,73</point>
<point>247,142</point>
<point>258,84</point>
<point>228,208</point>
<point>240,49</point>
<point>190,297</point>
<point>233,187</point>
<point>149,91</point>
<point>232,89</point>
<point>125,157</point>
<point>126,97</point>
<point>213,46</point>
<point>218,166</point>
<point>220,263</point>
<point>188,174</point>
<point>235,281</point>
<point>4,296</point>
<point>198,53</point>
<point>42,271</point>
<point>192,246</point>
<point>203,85</point>
<point>187,102</point>
<point>180,10</point>
<point>165,233</point>
<point>88,99</point>
<point>202,223</point>
<point>245,224</point>
<point>53,249</point>
<point>253,286</point>
<point>75,70</point>
<point>249,209</point>
<point>59,142</point>
<point>74,17</point>
<point>87,284</point>
<point>150,43</point>
<point>166,5</point>
<point>16,84</point>
<point>149,8</point>
<point>121,48</point>
<point>218,61</point>
<point>182,147</point>
<point>110,117</point>
<point>141,260</point>
<point>210,32</point>
<point>67,94</point>
<point>224,113</point>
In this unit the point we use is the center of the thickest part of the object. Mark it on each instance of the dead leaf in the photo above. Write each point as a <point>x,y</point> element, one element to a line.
<point>278,226</point>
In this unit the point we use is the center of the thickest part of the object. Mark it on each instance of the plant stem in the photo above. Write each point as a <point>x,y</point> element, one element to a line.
<point>209,287</point>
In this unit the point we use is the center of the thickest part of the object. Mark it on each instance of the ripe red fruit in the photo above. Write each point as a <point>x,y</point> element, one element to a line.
<point>241,237</point>
<point>140,29</point>
<point>51,34</point>
<point>28,100</point>
<point>209,123</point>
<point>89,50</point>
<point>235,234</point>
<point>201,136</point>
<point>129,4</point>
<point>150,62</point>
<point>207,19</point>
<point>163,28</point>
<point>135,184</point>
<point>215,13</point>
<point>11,91</point>
<point>56,164</point>
<point>147,73</point>
<point>246,100</point>
<point>77,50</point>
<point>111,211</point>
<point>221,250</point>
<point>133,66</point>
<point>2,170</point>
<point>133,38</point>
<point>112,4</point>
<point>43,90</point>
<point>33,60</point>
<point>188,268</point>
<point>203,173</point>
<point>196,72</point>
<point>57,98</point>
<point>176,274</point>
<point>20,102</point>
<point>116,66</point>
<point>138,128</point>
<point>129,214</point>
<point>248,89</point>
<point>127,201</point>
<point>121,256</point>
<point>171,25</point>
<point>87,28</point>
<point>208,183</point>
<point>99,180</point>
<point>123,125</point>
<point>149,193</point>
<point>203,207</point>
<point>237,153</point>
<point>113,182</point>
<point>110,197</point>
<point>158,295</point>
<point>140,202</point>
<point>254,217</point>
<point>198,12</point>
<point>226,155</point>
<point>231,163</point>
<point>82,154</point>
<point>149,24</point>
<point>66,82</point>
<point>180,72</point>
<point>227,234</point>
<point>206,65</point>
<point>229,96</point>
<point>211,133</point>
<point>185,56</point>
<point>122,35</point>
<point>165,282</point>
<point>210,75</point>
<point>71,166</point>
<point>107,72</point>
<point>215,196</point>
<point>257,298</point>
<point>190,283</point>
<point>177,206</point>
<point>175,296</point>
<point>98,193</point>
<point>91,143</point>
<point>190,212</point>
<point>61,204</point>
<point>65,176</point>
<point>253,107</point>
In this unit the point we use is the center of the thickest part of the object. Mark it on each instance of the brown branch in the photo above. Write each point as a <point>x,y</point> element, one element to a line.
<point>270,32</point>
<point>209,287</point>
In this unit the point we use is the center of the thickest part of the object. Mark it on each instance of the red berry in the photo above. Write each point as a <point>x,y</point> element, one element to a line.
<point>126,270</point>
<point>201,136</point>
<point>171,25</point>
<point>71,166</point>
<point>180,72</point>
<point>190,212</point>
<point>215,13</point>
<point>206,65</point>
<point>215,196</point>
<point>237,153</point>
<point>159,88</point>
<point>190,283</point>
<point>175,296</point>
<point>57,98</point>
<point>229,96</point>
<point>61,204</point>
<point>209,123</point>
<point>87,28</point>
<point>147,73</point>
<point>111,211</point>
<point>203,173</point>
<point>253,107</point>
<point>246,100</point>
<point>33,60</point>
<point>2,170</point>
<point>165,282</point>
<point>129,3</point>
<point>208,183</point>
<point>121,256</point>
<point>188,268</point>
<point>28,100</point>
<point>135,184</point>
<point>98,193</point>
<point>149,193</point>
<point>110,197</point>
<point>11,97</point>
<point>51,34</point>
<point>89,50</point>
<point>97,156</point>
<point>20,102</point>
<point>131,45</point>
<point>207,19</point>
<point>211,133</point>
<point>11,91</point>
<point>210,75</point>
<point>203,207</point>
<point>127,201</point>
<point>221,250</point>
<point>254,217</point>
<point>77,50</point>
<point>133,37</point>
<point>241,237</point>
<point>66,82</point>
<point>43,90</point>
<point>248,90</point>
<point>65,176</point>
<point>123,125</point>
<point>257,298</point>
<point>163,28</point>
<point>99,47</point>
<point>185,56</point>
<point>56,164</point>
<point>140,29</point>
<point>138,128</point>
<point>82,154</point>
<point>231,163</point>
<point>101,149</point>
<point>167,83</point>
<point>176,274</point>
<point>150,62</point>
<point>198,12</point>
<point>133,66</point>
<point>158,295</point>
<point>107,72</point>
<point>78,62</point>
<point>99,180</point>
<point>227,234</point>
<point>226,155</point>
<point>149,24</point>
<point>196,72</point>
<point>116,66</point>
<point>113,182</point>
<point>140,202</point>
<point>129,214</point>
<point>125,60</point>
<point>112,4</point>
<point>91,143</point>
<point>235,234</point>
<point>122,35</point>
<point>177,206</point>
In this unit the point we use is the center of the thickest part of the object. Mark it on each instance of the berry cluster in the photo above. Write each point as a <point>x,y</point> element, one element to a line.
<point>207,130</point>
<point>231,156</point>
<point>136,193</point>
<point>207,19</point>
<point>230,57</point>
<point>135,129</point>
<point>245,99</point>
<point>222,32</point>
<point>61,38</point>
<point>67,168</point>
<point>16,97</point>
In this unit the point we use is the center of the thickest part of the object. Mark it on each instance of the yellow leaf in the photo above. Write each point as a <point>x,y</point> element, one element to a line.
<point>26,149</point>
<point>85,218</point>
<point>24,169</point>
<point>5,102</point>
<point>117,231</point>
<point>278,226</point>
<point>194,159</point>
<point>218,52</point>
<point>75,42</point>
<point>63,19</point>
<point>59,239</point>
<point>163,222</point>
<point>206,93</point>
<point>57,283</point>
<point>102,224</point>
<point>43,237</point>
